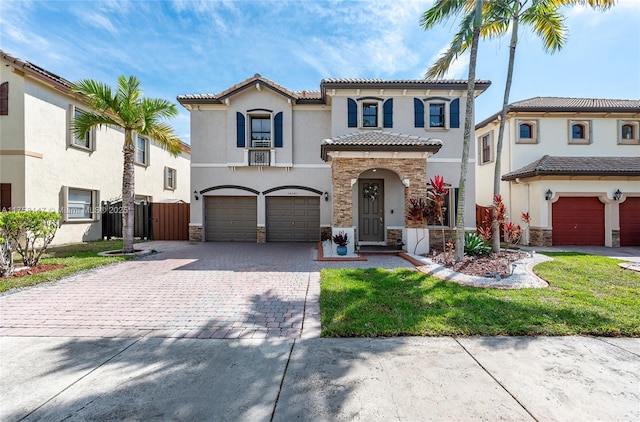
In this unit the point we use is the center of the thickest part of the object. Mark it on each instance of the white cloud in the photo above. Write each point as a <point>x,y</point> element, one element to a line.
<point>99,21</point>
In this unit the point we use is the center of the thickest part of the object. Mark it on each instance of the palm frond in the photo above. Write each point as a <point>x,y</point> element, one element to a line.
<point>548,23</point>
<point>84,121</point>
<point>163,134</point>
<point>98,95</point>
<point>441,11</point>
<point>460,43</point>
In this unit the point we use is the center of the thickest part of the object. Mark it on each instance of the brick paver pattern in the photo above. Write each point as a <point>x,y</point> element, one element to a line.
<point>208,290</point>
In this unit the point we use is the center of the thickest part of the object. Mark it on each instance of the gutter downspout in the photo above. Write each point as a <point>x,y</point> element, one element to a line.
<point>519,182</point>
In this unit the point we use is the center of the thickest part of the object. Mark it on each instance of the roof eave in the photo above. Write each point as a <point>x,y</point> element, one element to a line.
<point>510,177</point>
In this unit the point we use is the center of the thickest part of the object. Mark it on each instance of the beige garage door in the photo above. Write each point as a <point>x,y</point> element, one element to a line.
<point>293,219</point>
<point>230,218</point>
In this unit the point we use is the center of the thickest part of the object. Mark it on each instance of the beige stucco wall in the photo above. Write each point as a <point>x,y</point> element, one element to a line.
<point>43,128</point>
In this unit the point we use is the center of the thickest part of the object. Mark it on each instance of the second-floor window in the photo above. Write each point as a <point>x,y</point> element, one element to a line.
<point>527,132</point>
<point>169,178</point>
<point>84,141</point>
<point>370,115</point>
<point>580,132</point>
<point>485,149</point>
<point>260,131</point>
<point>628,132</point>
<point>142,146</point>
<point>436,115</point>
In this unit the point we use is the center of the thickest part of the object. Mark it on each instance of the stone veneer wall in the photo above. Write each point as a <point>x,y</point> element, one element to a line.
<point>345,169</point>
<point>195,233</point>
<point>540,237</point>
<point>262,234</point>
<point>393,235</point>
<point>435,236</point>
<point>615,238</point>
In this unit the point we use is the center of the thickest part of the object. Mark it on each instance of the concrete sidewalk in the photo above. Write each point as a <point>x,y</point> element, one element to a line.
<point>405,379</point>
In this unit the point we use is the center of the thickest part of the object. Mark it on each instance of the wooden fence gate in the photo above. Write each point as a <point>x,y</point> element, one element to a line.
<point>112,220</point>
<point>170,221</point>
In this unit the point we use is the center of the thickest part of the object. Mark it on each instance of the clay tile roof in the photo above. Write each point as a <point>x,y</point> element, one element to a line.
<point>566,104</point>
<point>240,86</point>
<point>583,166</point>
<point>379,141</point>
<point>365,81</point>
<point>36,71</point>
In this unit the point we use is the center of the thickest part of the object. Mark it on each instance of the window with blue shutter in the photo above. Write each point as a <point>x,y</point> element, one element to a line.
<point>352,113</point>
<point>387,113</point>
<point>277,123</point>
<point>240,130</point>
<point>418,111</point>
<point>454,113</point>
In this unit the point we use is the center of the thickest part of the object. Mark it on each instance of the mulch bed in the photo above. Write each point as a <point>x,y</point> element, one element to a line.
<point>479,265</point>
<point>34,270</point>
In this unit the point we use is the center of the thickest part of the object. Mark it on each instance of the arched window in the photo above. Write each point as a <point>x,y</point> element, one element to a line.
<point>627,131</point>
<point>577,131</point>
<point>526,131</point>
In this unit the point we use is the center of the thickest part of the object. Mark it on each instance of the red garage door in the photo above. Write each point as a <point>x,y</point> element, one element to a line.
<point>630,222</point>
<point>578,221</point>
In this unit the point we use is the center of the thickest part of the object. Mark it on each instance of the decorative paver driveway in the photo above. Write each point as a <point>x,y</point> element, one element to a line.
<point>206,290</point>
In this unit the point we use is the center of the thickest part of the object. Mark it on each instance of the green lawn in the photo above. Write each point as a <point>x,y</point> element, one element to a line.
<point>76,257</point>
<point>589,295</point>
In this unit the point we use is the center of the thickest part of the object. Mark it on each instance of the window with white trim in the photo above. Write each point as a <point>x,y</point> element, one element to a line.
<point>527,131</point>
<point>169,178</point>
<point>579,132</point>
<point>142,151</point>
<point>485,149</point>
<point>628,132</point>
<point>80,204</point>
<point>260,131</point>
<point>437,115</point>
<point>85,142</point>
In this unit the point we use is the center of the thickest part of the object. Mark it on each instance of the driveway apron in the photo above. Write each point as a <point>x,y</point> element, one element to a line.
<point>207,290</point>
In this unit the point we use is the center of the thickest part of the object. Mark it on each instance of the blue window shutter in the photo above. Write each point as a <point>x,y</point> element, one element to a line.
<point>418,110</point>
<point>387,113</point>
<point>454,113</point>
<point>352,113</point>
<point>240,130</point>
<point>277,123</point>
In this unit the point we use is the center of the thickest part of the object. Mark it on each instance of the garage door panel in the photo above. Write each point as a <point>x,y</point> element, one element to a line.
<point>630,222</point>
<point>293,219</point>
<point>231,219</point>
<point>578,221</point>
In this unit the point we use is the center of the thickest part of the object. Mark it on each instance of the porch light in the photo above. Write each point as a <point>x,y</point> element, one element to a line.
<point>548,195</point>
<point>617,195</point>
<point>326,196</point>
<point>195,193</point>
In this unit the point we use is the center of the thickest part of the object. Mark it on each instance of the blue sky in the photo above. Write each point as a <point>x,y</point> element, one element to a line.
<point>185,47</point>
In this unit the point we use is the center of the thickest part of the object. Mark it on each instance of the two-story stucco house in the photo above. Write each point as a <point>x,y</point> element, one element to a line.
<point>572,163</point>
<point>43,166</point>
<point>270,164</point>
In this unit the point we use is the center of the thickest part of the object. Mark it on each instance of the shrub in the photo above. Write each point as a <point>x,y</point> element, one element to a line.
<point>474,245</point>
<point>25,231</point>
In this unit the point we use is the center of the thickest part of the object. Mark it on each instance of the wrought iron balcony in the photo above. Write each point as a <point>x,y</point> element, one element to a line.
<point>259,157</point>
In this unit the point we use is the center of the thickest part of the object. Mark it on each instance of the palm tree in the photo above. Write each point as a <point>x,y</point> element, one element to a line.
<point>127,109</point>
<point>469,34</point>
<point>544,18</point>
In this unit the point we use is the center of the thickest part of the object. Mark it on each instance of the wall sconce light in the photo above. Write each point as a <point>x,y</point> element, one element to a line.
<point>548,195</point>
<point>617,195</point>
<point>326,196</point>
<point>195,193</point>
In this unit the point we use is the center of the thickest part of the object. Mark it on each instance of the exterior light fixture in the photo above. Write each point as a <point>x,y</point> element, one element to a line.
<point>548,195</point>
<point>617,195</point>
<point>195,193</point>
<point>326,196</point>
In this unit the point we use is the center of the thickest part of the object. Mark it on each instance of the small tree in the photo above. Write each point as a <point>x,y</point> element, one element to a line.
<point>418,211</point>
<point>29,232</point>
<point>436,197</point>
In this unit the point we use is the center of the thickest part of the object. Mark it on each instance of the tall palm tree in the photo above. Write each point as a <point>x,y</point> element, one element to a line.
<point>469,34</point>
<point>546,21</point>
<point>127,109</point>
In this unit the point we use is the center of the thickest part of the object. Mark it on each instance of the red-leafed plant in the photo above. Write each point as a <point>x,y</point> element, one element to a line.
<point>437,195</point>
<point>512,233</point>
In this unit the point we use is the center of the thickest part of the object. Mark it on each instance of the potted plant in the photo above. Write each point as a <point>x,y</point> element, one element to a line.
<point>342,240</point>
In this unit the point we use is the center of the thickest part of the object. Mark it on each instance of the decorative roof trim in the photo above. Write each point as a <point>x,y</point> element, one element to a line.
<point>553,166</point>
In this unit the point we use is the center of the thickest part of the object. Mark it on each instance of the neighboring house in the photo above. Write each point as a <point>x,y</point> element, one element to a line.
<point>271,164</point>
<point>572,163</point>
<point>43,166</point>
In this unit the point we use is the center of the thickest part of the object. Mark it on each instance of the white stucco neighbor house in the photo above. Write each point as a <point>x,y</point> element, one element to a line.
<point>43,166</point>
<point>270,164</point>
<point>572,163</point>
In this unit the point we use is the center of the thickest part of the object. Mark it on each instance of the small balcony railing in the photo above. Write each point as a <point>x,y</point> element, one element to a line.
<point>259,157</point>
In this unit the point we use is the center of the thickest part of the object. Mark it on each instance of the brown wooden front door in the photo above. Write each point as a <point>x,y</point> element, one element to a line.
<point>371,210</point>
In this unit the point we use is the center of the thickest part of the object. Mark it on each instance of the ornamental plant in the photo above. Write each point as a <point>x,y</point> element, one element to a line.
<point>29,233</point>
<point>341,238</point>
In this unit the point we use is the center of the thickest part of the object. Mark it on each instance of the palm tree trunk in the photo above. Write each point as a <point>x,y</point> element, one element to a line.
<point>495,247</point>
<point>468,122</point>
<point>128,192</point>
